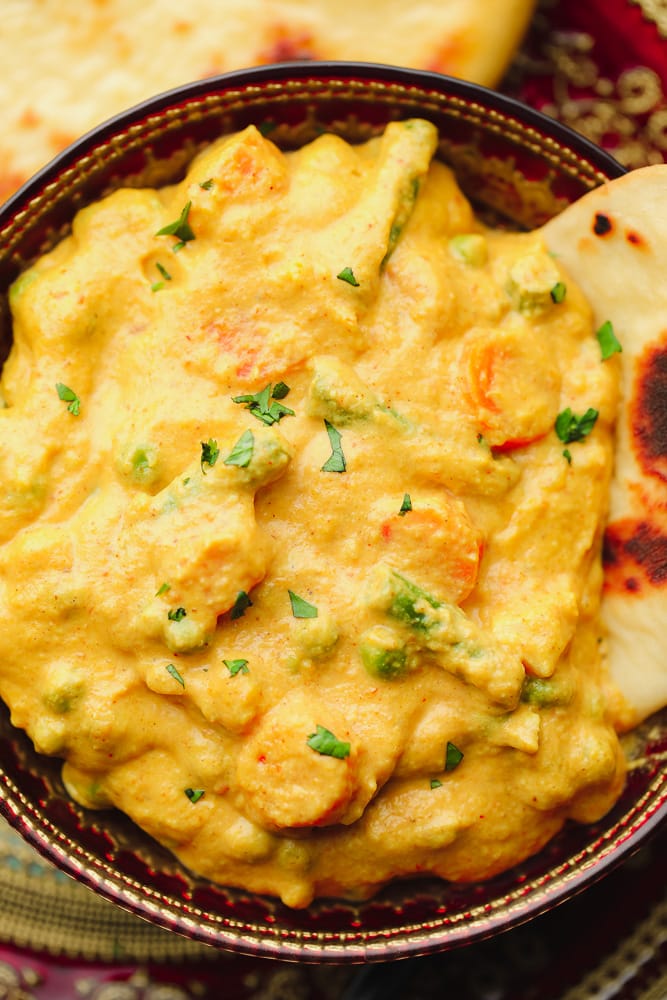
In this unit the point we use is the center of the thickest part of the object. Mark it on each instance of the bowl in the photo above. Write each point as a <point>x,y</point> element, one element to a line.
<point>519,168</point>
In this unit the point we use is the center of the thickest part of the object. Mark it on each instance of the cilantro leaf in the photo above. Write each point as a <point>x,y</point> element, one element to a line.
<point>194,794</point>
<point>209,454</point>
<point>609,343</point>
<point>558,292</point>
<point>241,605</point>
<point>280,390</point>
<point>453,757</point>
<point>181,228</point>
<point>171,669</point>
<point>241,453</point>
<point>69,396</point>
<point>164,587</point>
<point>406,506</point>
<point>177,614</point>
<point>236,666</point>
<point>347,274</point>
<point>158,285</point>
<point>275,412</point>
<point>336,461</point>
<point>324,742</point>
<point>265,404</point>
<point>436,783</point>
<point>300,607</point>
<point>569,427</point>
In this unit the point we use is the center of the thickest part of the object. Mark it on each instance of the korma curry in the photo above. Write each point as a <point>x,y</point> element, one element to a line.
<point>303,474</point>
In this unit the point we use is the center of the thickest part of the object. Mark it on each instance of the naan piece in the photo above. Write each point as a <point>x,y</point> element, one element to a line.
<point>613,242</point>
<point>67,67</point>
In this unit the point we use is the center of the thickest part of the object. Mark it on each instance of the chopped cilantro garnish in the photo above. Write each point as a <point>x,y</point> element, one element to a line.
<point>171,669</point>
<point>347,274</point>
<point>406,505</point>
<point>69,396</point>
<point>300,607</point>
<point>241,453</point>
<point>453,757</point>
<point>241,605</point>
<point>567,455</point>
<point>323,741</point>
<point>609,343</point>
<point>159,285</point>
<point>194,794</point>
<point>164,587</point>
<point>280,390</point>
<point>274,413</point>
<point>181,228</point>
<point>569,427</point>
<point>558,292</point>
<point>236,666</point>
<point>435,783</point>
<point>207,185</point>
<point>209,453</point>
<point>336,461</point>
<point>176,614</point>
<point>265,404</point>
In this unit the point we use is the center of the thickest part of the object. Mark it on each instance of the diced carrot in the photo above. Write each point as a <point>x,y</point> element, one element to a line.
<point>513,385</point>
<point>436,544</point>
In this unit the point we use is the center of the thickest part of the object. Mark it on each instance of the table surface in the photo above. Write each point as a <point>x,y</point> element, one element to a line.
<point>601,67</point>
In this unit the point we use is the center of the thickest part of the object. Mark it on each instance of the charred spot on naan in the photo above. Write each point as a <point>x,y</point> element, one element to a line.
<point>635,556</point>
<point>603,226</point>
<point>647,410</point>
<point>635,548</point>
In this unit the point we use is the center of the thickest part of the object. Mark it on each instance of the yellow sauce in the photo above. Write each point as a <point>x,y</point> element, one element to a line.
<point>294,568</point>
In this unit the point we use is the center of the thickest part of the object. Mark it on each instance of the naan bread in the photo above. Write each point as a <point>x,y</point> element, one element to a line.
<point>67,67</point>
<point>614,243</point>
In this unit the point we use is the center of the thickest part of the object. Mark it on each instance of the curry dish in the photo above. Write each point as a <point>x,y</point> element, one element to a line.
<point>304,474</point>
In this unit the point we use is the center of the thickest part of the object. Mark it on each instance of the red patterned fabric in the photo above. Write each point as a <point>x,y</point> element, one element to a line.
<point>600,67</point>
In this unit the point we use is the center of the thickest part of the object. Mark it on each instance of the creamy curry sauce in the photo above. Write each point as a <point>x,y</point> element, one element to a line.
<point>296,569</point>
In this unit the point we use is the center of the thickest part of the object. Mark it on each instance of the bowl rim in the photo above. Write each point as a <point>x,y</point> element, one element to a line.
<point>302,70</point>
<point>419,940</point>
<point>623,839</point>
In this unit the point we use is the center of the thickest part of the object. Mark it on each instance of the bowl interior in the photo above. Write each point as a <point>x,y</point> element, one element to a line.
<point>519,169</point>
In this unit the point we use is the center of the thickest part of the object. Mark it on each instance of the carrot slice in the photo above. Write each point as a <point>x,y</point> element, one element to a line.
<point>436,544</point>
<point>513,384</point>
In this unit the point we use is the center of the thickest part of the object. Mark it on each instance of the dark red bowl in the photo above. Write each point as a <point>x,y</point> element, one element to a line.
<point>519,168</point>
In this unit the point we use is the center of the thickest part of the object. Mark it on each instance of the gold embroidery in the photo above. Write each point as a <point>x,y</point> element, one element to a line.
<point>15,985</point>
<point>626,116</point>
<point>139,986</point>
<point>633,959</point>
<point>656,11</point>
